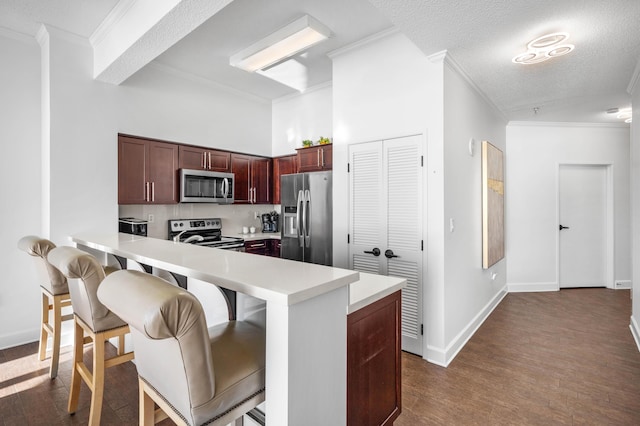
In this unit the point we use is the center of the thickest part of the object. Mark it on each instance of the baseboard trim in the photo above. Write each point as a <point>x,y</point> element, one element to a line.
<point>19,338</point>
<point>532,287</point>
<point>635,331</point>
<point>444,357</point>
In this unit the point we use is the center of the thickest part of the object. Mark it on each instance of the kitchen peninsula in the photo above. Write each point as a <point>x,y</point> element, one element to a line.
<point>306,315</point>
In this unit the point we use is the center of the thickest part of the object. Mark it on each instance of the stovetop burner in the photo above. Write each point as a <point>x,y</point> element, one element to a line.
<point>208,232</point>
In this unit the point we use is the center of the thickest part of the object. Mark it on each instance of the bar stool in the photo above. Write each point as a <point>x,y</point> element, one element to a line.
<point>196,376</point>
<point>55,296</point>
<point>94,319</point>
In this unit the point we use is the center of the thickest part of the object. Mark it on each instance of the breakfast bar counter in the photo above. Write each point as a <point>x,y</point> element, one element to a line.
<point>306,311</point>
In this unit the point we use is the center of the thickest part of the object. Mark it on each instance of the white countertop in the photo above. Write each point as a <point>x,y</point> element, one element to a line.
<point>371,288</point>
<point>282,281</point>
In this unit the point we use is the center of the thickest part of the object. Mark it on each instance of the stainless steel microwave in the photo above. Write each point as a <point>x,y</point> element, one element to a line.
<point>202,186</point>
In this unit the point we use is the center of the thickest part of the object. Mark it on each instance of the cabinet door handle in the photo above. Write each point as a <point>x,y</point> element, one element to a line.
<point>204,160</point>
<point>153,191</point>
<point>318,155</point>
<point>146,191</point>
<point>257,245</point>
<point>322,154</point>
<point>209,159</point>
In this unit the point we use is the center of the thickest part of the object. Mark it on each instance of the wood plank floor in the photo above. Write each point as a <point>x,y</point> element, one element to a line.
<point>556,358</point>
<point>559,358</point>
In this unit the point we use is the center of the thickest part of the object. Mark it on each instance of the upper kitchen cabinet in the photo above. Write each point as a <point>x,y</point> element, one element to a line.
<point>282,166</point>
<point>315,158</point>
<point>193,157</point>
<point>252,179</point>
<point>147,171</point>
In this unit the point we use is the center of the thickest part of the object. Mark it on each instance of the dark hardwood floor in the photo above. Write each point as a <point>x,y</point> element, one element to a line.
<point>556,358</point>
<point>560,358</point>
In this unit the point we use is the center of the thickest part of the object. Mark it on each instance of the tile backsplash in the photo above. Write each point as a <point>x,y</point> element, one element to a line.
<point>233,216</point>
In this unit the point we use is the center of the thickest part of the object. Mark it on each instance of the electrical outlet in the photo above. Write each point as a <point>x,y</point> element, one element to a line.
<point>256,215</point>
<point>150,218</point>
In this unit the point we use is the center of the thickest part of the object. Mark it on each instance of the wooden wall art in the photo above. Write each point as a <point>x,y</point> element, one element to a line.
<point>492,205</point>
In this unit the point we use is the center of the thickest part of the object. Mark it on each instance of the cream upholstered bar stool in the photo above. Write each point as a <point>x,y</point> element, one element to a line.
<point>85,275</point>
<point>195,375</point>
<point>55,296</point>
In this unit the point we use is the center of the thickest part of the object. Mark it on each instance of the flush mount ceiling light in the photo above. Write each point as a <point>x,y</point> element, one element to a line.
<point>284,43</point>
<point>544,48</point>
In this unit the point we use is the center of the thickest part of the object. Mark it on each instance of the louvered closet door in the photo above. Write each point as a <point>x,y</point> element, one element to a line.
<point>403,178</point>
<point>367,227</point>
<point>386,213</point>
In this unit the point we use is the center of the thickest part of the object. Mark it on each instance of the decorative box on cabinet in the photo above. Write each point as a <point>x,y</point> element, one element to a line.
<point>282,166</point>
<point>373,363</point>
<point>316,158</point>
<point>147,171</point>
<point>252,179</point>
<point>197,158</point>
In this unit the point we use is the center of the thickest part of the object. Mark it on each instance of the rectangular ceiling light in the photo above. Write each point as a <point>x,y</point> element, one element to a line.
<point>286,42</point>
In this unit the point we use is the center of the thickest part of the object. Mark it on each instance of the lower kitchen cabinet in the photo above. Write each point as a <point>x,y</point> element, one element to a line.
<point>267,247</point>
<point>373,363</point>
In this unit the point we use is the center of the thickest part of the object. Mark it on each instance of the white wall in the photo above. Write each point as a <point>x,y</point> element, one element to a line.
<point>534,152</point>
<point>377,98</point>
<point>470,293</point>
<point>303,116</point>
<point>635,203</point>
<point>20,185</point>
<point>85,117</point>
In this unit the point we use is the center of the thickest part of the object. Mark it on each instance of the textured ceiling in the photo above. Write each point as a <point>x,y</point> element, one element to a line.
<point>80,17</point>
<point>481,36</point>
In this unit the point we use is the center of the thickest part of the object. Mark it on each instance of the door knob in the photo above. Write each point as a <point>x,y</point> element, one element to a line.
<point>375,252</point>
<point>389,254</point>
<point>563,227</point>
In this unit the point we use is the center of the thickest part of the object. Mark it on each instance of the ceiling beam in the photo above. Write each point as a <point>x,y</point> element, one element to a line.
<point>136,32</point>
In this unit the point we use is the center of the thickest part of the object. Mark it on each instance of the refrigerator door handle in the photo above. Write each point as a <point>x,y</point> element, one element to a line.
<point>299,231</point>
<point>306,218</point>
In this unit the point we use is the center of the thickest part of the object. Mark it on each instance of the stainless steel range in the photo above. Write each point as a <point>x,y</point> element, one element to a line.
<point>203,232</point>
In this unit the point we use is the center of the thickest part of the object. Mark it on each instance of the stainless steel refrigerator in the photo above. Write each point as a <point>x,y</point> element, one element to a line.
<point>307,217</point>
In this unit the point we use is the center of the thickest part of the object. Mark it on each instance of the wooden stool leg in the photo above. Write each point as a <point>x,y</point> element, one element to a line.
<point>147,406</point>
<point>121,344</point>
<point>78,346</point>
<point>98,380</point>
<point>57,325</point>
<point>43,331</point>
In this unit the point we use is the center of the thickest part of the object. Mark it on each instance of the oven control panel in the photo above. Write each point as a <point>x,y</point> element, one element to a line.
<point>194,224</point>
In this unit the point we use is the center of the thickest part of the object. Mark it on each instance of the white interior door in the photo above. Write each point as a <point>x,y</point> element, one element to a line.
<point>386,219</point>
<point>583,225</point>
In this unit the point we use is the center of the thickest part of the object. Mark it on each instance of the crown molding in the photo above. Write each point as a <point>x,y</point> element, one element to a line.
<point>363,42</point>
<point>206,82</point>
<point>566,124</point>
<point>448,60</point>
<point>634,84</point>
<point>112,19</point>
<point>307,91</point>
<point>17,35</point>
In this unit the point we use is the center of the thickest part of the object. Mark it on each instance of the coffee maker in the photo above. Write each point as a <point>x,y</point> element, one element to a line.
<point>270,222</point>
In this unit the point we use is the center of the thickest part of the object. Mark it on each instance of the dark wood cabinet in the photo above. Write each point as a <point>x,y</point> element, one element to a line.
<point>257,247</point>
<point>147,171</point>
<point>373,363</point>
<point>316,158</point>
<point>197,158</point>
<point>252,179</point>
<point>268,247</point>
<point>282,166</point>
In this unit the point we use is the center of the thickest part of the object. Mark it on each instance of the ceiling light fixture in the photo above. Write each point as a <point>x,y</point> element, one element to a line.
<point>544,48</point>
<point>284,43</point>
